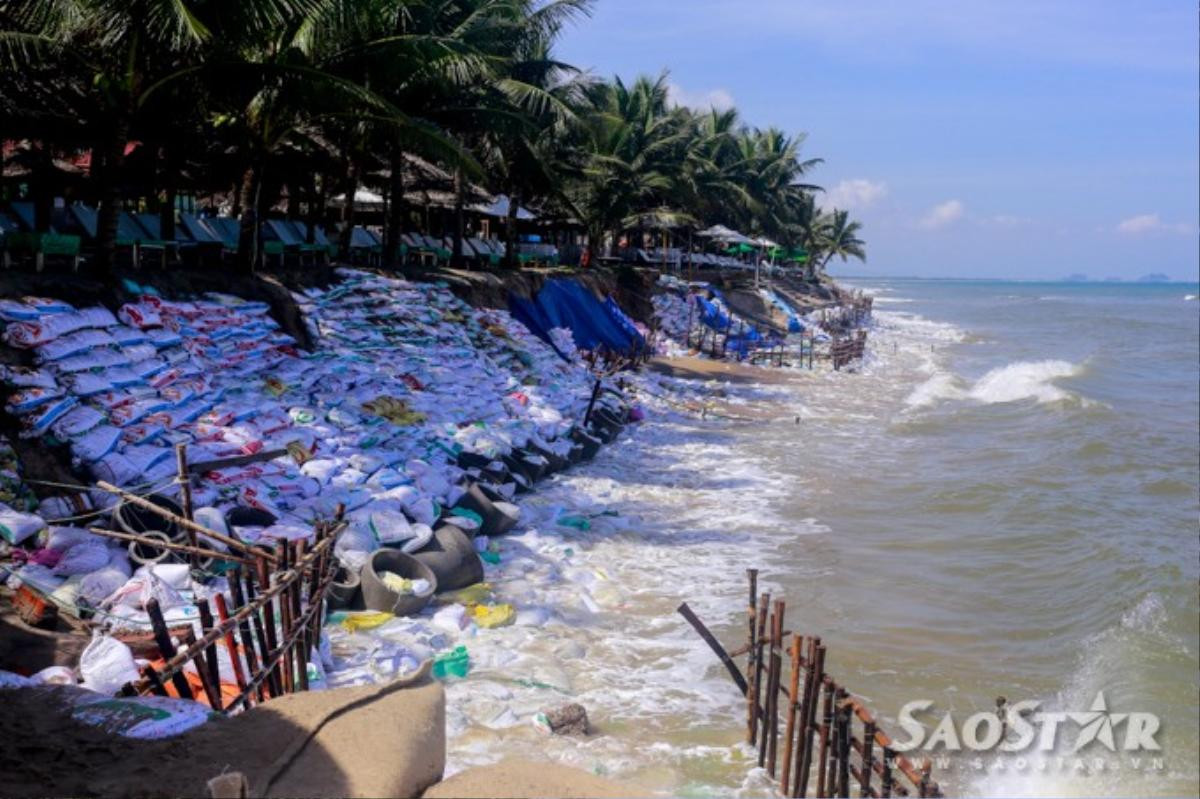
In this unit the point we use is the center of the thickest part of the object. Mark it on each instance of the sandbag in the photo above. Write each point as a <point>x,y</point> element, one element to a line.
<point>106,665</point>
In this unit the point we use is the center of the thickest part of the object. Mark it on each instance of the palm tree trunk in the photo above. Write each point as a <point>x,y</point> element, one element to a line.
<point>348,207</point>
<point>395,224</point>
<point>112,156</point>
<point>166,212</point>
<point>247,251</point>
<point>510,230</point>
<point>456,258</point>
<point>43,193</point>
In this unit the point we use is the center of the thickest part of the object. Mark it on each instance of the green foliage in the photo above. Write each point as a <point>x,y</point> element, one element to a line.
<point>249,97</point>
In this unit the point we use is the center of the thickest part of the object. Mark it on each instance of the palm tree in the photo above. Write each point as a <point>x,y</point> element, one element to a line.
<point>837,237</point>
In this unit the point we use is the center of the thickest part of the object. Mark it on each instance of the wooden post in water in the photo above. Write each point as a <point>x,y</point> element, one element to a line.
<point>843,746</point>
<point>813,681</point>
<point>789,734</point>
<point>776,668</point>
<point>885,785</point>
<point>751,656</point>
<point>764,601</point>
<point>868,757</point>
<point>823,737</point>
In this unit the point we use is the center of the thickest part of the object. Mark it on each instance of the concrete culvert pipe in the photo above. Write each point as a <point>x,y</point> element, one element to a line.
<point>377,596</point>
<point>498,517</point>
<point>136,519</point>
<point>590,443</point>
<point>451,556</point>
<point>344,590</point>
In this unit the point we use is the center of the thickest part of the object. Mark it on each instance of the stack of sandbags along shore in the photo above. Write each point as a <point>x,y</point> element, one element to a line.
<point>414,409</point>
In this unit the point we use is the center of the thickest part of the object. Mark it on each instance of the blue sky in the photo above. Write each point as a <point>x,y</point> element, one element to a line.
<point>1003,138</point>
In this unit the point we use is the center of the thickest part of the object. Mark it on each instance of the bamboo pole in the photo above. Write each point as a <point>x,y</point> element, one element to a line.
<point>248,643</point>
<point>793,706</point>
<point>823,737</point>
<point>185,500</point>
<point>235,658</point>
<point>210,652</point>
<point>773,683</point>
<point>764,602</point>
<point>813,681</point>
<point>751,654</point>
<point>167,649</point>
<point>283,554</point>
<point>211,692</point>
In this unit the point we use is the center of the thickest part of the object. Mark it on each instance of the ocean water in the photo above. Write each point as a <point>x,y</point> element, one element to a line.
<point>1003,500</point>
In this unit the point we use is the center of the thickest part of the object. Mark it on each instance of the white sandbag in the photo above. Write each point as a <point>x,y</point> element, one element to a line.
<point>140,315</point>
<point>96,443</point>
<point>54,675</point>
<point>26,377</point>
<point>83,559</point>
<point>389,527</point>
<point>98,586</point>
<point>15,527</point>
<point>214,520</point>
<point>74,344</point>
<point>106,665</point>
<point>175,575</point>
<point>63,538</point>
<point>143,717</point>
<point>77,421</point>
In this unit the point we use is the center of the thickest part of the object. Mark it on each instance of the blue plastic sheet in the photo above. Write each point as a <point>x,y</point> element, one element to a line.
<point>567,303</point>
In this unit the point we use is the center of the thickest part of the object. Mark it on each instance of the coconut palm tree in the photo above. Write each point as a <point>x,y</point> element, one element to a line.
<point>837,237</point>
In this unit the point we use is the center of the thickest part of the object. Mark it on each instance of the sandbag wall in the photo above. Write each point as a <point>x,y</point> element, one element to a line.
<point>405,386</point>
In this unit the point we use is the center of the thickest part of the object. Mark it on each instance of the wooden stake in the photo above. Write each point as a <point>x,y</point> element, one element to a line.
<point>185,499</point>
<point>751,653</point>
<point>793,707</point>
<point>210,652</point>
<point>211,691</point>
<point>300,649</point>
<point>814,680</point>
<point>279,686</point>
<point>165,647</point>
<point>248,644</point>
<point>776,669</point>
<point>239,673</point>
<point>868,757</point>
<point>823,737</point>
<point>764,602</point>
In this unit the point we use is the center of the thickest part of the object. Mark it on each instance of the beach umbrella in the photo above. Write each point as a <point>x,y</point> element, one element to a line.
<point>363,200</point>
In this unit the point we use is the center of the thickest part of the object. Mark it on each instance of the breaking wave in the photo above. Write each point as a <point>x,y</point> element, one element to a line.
<point>1011,383</point>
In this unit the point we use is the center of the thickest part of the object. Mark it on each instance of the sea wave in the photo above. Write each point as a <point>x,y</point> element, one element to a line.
<point>1189,297</point>
<point>1016,381</point>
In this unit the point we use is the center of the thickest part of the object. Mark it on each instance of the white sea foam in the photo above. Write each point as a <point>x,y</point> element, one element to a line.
<point>1023,380</point>
<point>1011,383</point>
<point>1189,297</point>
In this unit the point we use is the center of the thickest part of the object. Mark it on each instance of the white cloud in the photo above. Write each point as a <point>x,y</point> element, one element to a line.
<point>1150,223</point>
<point>941,215</point>
<point>857,193</point>
<point>718,98</point>
<point>1142,223</point>
<point>1008,220</point>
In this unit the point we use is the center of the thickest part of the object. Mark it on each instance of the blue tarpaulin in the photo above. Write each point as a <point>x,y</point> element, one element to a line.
<point>566,303</point>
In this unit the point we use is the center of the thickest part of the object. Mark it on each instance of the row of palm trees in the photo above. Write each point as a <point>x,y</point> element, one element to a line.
<point>305,99</point>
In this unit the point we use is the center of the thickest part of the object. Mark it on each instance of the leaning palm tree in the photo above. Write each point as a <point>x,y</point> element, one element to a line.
<point>838,238</point>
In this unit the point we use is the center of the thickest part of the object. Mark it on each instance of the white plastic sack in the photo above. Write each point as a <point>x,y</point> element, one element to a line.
<point>83,559</point>
<point>106,665</point>
<point>15,527</point>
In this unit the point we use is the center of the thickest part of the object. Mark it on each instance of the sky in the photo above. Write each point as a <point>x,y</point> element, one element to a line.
<point>1030,139</point>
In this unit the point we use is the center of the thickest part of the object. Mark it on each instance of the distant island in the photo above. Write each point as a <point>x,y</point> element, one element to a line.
<point>1153,277</point>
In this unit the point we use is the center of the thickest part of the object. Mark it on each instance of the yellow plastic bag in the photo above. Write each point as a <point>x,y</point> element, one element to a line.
<point>488,616</point>
<point>367,620</point>
<point>476,594</point>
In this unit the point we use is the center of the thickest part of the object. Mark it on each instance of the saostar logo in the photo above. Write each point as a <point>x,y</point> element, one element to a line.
<point>1021,726</point>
